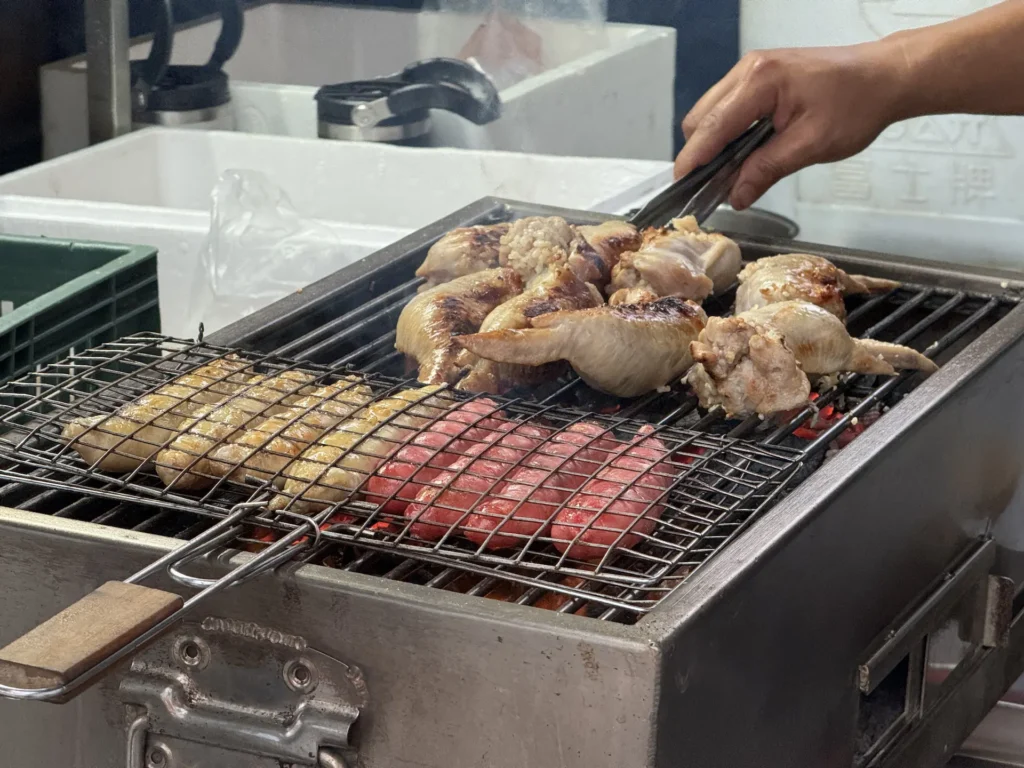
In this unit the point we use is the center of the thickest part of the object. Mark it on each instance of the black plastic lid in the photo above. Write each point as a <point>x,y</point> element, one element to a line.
<point>334,103</point>
<point>446,84</point>
<point>183,88</point>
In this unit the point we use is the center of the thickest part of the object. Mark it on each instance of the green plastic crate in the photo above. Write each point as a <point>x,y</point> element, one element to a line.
<point>57,296</point>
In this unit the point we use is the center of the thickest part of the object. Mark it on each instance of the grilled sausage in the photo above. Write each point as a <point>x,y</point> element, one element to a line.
<point>336,465</point>
<point>618,507</point>
<point>265,449</point>
<point>185,463</point>
<point>135,432</point>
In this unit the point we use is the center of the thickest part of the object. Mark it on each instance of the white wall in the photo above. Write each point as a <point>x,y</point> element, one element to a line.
<point>945,187</point>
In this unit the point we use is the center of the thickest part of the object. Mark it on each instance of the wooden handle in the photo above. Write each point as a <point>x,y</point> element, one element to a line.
<point>82,635</point>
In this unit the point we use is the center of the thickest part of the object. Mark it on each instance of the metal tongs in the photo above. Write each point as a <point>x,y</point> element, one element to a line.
<point>701,191</point>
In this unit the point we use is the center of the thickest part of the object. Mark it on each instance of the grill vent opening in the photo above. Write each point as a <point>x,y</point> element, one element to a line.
<point>881,711</point>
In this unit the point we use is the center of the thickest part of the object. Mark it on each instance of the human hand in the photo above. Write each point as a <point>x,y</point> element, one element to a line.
<point>827,104</point>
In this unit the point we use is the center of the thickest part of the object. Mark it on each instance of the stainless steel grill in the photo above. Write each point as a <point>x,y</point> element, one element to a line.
<point>807,596</point>
<point>715,477</point>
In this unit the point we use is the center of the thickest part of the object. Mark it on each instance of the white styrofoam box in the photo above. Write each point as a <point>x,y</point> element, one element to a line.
<point>178,235</point>
<point>604,93</point>
<point>153,187</point>
<point>356,183</point>
<point>945,187</point>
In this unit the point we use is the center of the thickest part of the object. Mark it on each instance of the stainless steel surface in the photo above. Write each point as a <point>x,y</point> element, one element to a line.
<point>412,130</point>
<point>998,612</point>
<point>220,117</point>
<point>453,680</point>
<point>707,200</point>
<point>750,663</point>
<point>246,688</point>
<point>224,531</point>
<point>109,78</point>
<point>369,114</point>
<point>704,189</point>
<point>929,740</point>
<point>752,222</point>
<point>999,740</point>
<point>927,617</point>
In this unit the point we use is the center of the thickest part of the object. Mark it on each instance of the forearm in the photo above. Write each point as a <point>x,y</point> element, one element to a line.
<point>972,65</point>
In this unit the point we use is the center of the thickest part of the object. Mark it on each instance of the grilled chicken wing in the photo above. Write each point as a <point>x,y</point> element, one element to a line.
<point>556,290</point>
<point>185,463</point>
<point>263,450</point>
<point>800,276</point>
<point>683,261</point>
<point>758,362</point>
<point>430,322</point>
<point>597,249</point>
<point>338,464</point>
<point>536,244</point>
<point>531,246</point>
<point>626,350</point>
<point>463,251</point>
<point>135,432</point>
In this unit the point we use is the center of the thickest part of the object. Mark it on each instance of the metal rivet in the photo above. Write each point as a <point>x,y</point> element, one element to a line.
<point>300,676</point>
<point>192,652</point>
<point>157,758</point>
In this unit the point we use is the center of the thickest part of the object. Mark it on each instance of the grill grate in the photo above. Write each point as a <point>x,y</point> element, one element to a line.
<point>936,320</point>
<point>724,472</point>
<point>635,508</point>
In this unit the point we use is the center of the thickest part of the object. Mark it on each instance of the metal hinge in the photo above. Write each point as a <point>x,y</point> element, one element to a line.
<point>222,693</point>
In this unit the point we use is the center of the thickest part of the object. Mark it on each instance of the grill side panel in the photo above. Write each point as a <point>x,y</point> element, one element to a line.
<point>453,681</point>
<point>773,631</point>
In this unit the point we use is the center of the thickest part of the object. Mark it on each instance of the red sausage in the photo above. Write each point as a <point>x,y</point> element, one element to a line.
<point>525,505</point>
<point>615,508</point>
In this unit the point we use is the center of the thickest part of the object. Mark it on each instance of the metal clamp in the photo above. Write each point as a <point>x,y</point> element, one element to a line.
<point>224,692</point>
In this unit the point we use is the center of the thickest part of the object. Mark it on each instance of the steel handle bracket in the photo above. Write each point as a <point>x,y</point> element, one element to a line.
<point>227,692</point>
<point>62,656</point>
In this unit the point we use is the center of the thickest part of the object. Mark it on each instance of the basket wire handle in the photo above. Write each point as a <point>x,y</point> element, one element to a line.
<point>269,564</point>
<point>62,655</point>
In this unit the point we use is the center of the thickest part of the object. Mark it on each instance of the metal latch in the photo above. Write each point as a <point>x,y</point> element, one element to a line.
<point>221,692</point>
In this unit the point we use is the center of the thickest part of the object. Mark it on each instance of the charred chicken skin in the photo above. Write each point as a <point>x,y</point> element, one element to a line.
<point>554,291</point>
<point>463,251</point>
<point>597,249</point>
<point>758,361</point>
<point>430,324</point>
<point>802,277</point>
<point>627,350</point>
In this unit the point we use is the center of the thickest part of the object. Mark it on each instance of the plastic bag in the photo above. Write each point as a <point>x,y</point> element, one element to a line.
<point>506,44</point>
<point>258,250</point>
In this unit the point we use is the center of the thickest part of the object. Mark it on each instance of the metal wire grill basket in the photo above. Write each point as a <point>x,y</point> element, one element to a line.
<point>586,505</point>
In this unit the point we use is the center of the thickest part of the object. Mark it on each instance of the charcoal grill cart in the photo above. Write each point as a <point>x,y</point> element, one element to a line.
<point>796,605</point>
